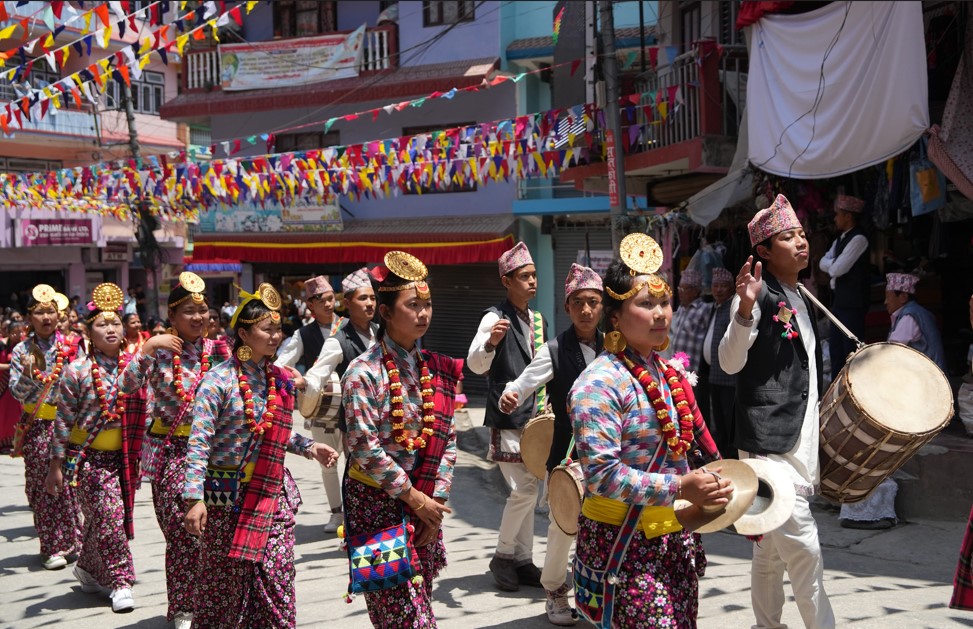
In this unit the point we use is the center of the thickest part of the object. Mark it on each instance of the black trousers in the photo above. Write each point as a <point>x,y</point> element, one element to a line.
<point>723,424</point>
<point>840,346</point>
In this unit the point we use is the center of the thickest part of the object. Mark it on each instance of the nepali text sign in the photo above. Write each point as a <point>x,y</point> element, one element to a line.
<point>35,232</point>
<point>270,65</point>
<point>303,215</point>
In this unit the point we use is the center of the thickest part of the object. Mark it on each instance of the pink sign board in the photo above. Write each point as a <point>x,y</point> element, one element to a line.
<point>36,232</point>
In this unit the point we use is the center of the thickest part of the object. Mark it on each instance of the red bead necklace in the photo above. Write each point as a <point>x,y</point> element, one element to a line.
<point>267,417</point>
<point>111,415</point>
<point>679,443</point>
<point>398,410</point>
<point>56,371</point>
<point>204,365</point>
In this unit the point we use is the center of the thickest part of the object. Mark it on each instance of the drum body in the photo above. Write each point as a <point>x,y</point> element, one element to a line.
<point>887,402</point>
<point>565,490</point>
<point>535,444</point>
<point>321,411</point>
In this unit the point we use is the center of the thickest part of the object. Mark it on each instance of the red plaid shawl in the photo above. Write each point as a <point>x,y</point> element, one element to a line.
<point>263,490</point>
<point>133,431</point>
<point>445,372</point>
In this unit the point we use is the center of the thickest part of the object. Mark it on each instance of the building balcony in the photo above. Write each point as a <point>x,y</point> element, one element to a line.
<point>680,135</point>
<point>63,123</point>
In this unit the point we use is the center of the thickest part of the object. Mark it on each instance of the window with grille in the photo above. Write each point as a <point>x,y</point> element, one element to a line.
<point>691,19</point>
<point>291,142</point>
<point>22,165</point>
<point>439,13</point>
<point>148,93</point>
<point>39,77</point>
<point>200,136</point>
<point>302,18</point>
<point>452,186</point>
<point>729,35</point>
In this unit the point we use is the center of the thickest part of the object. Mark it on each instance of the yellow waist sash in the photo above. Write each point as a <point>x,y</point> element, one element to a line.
<point>47,412</point>
<point>160,429</point>
<point>108,440</point>
<point>247,471</point>
<point>654,522</point>
<point>355,472</point>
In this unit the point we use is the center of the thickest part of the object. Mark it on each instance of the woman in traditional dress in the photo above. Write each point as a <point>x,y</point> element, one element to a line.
<point>635,423</point>
<point>9,407</point>
<point>134,336</point>
<point>35,371</point>
<point>243,500</point>
<point>401,440</point>
<point>88,439</point>
<point>173,365</point>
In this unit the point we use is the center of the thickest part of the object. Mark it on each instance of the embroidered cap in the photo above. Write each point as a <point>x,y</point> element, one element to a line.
<point>777,218</point>
<point>581,278</point>
<point>901,282</point>
<point>515,258</point>
<point>318,285</point>
<point>849,203</point>
<point>721,276</point>
<point>691,278</point>
<point>356,280</point>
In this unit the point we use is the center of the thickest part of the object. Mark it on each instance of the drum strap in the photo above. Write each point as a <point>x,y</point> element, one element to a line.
<point>567,455</point>
<point>538,344</point>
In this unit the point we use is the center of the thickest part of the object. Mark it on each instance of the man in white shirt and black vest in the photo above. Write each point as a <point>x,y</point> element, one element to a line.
<point>508,337</point>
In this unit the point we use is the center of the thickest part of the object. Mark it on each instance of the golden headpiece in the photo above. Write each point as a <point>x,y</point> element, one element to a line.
<point>643,257</point>
<point>62,301</point>
<point>195,286</point>
<point>267,295</point>
<point>409,268</point>
<point>44,296</point>
<point>108,299</point>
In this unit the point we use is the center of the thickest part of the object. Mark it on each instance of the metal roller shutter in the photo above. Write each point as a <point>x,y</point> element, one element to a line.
<point>460,294</point>
<point>569,238</point>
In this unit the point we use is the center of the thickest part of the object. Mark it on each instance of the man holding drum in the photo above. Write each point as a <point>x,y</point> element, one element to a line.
<point>558,364</point>
<point>508,337</point>
<point>771,344</point>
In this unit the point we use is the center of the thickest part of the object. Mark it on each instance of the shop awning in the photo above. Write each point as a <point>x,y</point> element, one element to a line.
<point>434,240</point>
<point>215,266</point>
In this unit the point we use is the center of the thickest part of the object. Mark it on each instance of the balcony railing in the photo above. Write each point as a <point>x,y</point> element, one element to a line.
<point>201,70</point>
<point>78,123</point>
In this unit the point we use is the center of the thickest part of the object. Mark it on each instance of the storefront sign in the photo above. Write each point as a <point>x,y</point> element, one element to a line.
<point>301,216</point>
<point>612,168</point>
<point>291,62</point>
<point>36,232</point>
<point>598,261</point>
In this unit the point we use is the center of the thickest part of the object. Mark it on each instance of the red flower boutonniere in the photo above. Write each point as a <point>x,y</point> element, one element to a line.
<point>784,315</point>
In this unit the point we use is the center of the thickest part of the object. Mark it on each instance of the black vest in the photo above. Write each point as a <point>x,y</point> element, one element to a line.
<point>852,291</point>
<point>313,340</point>
<point>772,388</point>
<point>568,363</point>
<point>352,346</point>
<point>513,354</point>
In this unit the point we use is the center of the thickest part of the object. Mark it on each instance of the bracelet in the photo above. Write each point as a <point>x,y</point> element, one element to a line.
<point>679,487</point>
<point>420,507</point>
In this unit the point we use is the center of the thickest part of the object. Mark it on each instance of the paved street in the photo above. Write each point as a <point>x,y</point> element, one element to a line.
<point>877,580</point>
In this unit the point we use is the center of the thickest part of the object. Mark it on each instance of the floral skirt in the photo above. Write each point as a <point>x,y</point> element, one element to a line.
<point>105,552</point>
<point>658,582</point>
<point>369,509</point>
<point>56,518</point>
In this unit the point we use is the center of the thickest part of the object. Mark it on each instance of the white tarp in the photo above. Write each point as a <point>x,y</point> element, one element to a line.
<point>835,90</point>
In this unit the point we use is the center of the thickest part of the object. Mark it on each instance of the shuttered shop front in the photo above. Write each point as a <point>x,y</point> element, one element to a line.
<point>571,239</point>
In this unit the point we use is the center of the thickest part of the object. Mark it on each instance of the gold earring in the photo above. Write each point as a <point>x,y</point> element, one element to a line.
<point>615,342</point>
<point>244,353</point>
<point>664,346</point>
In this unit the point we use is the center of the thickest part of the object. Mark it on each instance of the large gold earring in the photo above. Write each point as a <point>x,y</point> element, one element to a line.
<point>615,342</point>
<point>244,353</point>
<point>664,346</point>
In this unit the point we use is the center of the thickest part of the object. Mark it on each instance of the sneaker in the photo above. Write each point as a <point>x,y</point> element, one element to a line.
<point>529,575</point>
<point>505,574</point>
<point>122,600</point>
<point>183,621</point>
<point>55,562</point>
<point>559,610</point>
<point>88,582</point>
<point>337,519</point>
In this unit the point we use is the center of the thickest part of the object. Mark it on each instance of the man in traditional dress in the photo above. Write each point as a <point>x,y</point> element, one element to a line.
<point>690,320</point>
<point>912,324</point>
<point>508,337</point>
<point>771,344</point>
<point>557,365</point>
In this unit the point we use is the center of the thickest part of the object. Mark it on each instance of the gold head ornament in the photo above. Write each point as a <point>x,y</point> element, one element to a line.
<point>643,256</point>
<point>108,298</point>
<point>62,301</point>
<point>195,285</point>
<point>43,295</point>
<point>409,268</point>
<point>265,294</point>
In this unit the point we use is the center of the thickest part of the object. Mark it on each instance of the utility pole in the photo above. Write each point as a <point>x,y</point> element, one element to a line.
<point>613,134</point>
<point>147,245</point>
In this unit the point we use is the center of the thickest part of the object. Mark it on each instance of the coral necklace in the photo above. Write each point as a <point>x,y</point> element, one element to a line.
<point>56,371</point>
<point>679,443</point>
<point>204,366</point>
<point>266,422</point>
<point>110,415</point>
<point>398,411</point>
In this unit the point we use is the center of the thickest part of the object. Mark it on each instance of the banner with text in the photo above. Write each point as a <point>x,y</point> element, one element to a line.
<point>303,215</point>
<point>34,232</point>
<point>275,64</point>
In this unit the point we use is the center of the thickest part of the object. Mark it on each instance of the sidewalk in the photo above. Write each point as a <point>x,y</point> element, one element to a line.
<point>876,579</point>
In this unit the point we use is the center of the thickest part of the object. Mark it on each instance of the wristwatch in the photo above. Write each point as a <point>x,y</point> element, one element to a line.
<point>488,347</point>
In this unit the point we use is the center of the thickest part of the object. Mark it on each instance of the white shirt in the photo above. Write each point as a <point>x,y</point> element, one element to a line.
<point>802,460</point>
<point>540,371</point>
<point>330,357</point>
<point>478,359</point>
<point>906,331</point>
<point>836,266</point>
<point>292,349</point>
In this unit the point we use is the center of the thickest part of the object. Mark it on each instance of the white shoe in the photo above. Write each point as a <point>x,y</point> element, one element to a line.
<point>122,600</point>
<point>337,519</point>
<point>183,621</point>
<point>55,562</point>
<point>559,610</point>
<point>88,583</point>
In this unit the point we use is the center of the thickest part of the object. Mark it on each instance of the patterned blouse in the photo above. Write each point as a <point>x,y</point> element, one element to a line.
<point>365,396</point>
<point>220,435</point>
<point>617,434</point>
<point>78,405</point>
<point>22,386</point>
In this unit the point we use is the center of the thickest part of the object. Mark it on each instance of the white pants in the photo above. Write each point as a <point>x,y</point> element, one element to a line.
<point>557,557</point>
<point>516,537</point>
<point>331,476</point>
<point>793,547</point>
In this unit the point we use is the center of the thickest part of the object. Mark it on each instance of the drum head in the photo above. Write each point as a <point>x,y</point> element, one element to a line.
<point>899,387</point>
<point>535,444</point>
<point>307,403</point>
<point>564,494</point>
